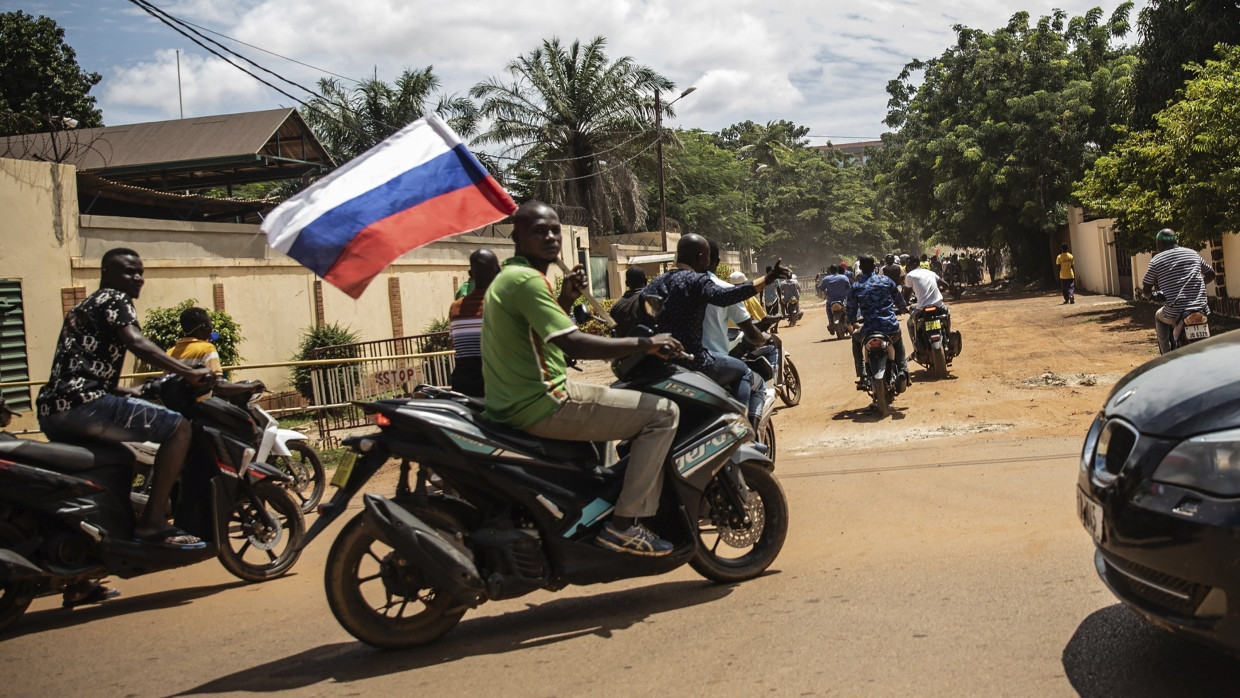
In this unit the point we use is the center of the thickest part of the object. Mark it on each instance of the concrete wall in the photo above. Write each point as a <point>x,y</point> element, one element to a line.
<point>1092,244</point>
<point>49,247</point>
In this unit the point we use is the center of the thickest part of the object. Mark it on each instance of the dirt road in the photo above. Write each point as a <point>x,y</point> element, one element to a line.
<point>932,552</point>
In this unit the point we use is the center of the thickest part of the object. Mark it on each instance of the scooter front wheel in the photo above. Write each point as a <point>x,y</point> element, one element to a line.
<point>790,391</point>
<point>15,595</point>
<point>253,549</point>
<point>306,469</point>
<point>729,548</point>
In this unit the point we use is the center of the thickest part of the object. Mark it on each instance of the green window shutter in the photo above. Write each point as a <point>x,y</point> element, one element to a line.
<point>13,365</point>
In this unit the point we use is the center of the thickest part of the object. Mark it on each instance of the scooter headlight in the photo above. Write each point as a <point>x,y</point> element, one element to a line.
<point>1210,463</point>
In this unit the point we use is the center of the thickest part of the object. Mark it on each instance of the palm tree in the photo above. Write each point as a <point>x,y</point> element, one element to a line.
<point>350,122</point>
<point>578,126</point>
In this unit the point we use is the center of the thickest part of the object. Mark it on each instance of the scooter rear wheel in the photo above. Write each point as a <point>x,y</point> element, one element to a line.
<point>882,398</point>
<point>381,599</point>
<point>790,391</point>
<point>755,544</point>
<point>940,362</point>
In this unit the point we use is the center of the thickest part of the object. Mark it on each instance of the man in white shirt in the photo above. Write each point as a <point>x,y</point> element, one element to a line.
<point>923,288</point>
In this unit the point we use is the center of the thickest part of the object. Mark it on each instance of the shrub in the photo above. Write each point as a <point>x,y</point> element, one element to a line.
<point>163,327</point>
<point>316,338</point>
<point>437,326</point>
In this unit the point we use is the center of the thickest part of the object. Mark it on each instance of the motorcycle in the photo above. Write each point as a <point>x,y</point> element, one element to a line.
<point>1190,327</point>
<point>792,310</point>
<point>785,377</point>
<point>934,348</point>
<point>405,570</point>
<point>66,516</point>
<point>841,327</point>
<point>284,449</point>
<point>881,379</point>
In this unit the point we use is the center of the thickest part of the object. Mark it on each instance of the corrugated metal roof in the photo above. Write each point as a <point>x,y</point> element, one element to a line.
<point>167,151</point>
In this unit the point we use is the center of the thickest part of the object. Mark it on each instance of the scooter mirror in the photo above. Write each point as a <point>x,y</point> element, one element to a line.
<point>653,305</point>
<point>581,315</point>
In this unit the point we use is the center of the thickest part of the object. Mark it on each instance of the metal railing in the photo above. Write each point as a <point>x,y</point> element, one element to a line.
<point>365,371</point>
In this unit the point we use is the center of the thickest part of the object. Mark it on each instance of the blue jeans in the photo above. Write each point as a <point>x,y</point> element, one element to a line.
<point>112,418</point>
<point>734,375</point>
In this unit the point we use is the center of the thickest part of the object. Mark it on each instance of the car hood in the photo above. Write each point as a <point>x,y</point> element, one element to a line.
<point>1190,391</point>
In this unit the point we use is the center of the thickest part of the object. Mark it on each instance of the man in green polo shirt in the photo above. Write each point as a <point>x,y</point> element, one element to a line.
<point>525,334</point>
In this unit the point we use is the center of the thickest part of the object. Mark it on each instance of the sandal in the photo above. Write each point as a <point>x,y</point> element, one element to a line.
<point>88,593</point>
<point>173,539</point>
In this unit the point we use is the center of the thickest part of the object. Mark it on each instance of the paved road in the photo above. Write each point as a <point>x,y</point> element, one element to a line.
<point>950,566</point>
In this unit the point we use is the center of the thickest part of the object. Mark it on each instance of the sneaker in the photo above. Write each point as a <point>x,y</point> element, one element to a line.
<point>635,540</point>
<point>1072,300</point>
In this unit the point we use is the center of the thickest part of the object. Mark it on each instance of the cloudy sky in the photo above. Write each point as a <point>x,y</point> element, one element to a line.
<point>821,63</point>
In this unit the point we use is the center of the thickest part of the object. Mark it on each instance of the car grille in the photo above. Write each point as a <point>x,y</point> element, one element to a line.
<point>1115,444</point>
<point>1164,590</point>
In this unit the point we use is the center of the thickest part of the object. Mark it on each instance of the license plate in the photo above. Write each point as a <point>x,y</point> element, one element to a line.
<point>1193,332</point>
<point>344,469</point>
<point>934,325</point>
<point>1091,515</point>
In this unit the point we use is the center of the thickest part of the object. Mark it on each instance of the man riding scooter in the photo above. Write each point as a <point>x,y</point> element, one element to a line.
<point>876,299</point>
<point>924,288</point>
<point>1181,274</point>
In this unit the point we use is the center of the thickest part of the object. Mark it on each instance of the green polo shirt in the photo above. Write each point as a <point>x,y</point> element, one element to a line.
<point>523,371</point>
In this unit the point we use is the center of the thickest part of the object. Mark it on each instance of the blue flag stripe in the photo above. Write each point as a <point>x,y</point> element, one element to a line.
<point>320,243</point>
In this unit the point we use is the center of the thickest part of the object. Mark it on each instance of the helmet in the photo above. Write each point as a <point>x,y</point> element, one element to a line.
<point>737,277</point>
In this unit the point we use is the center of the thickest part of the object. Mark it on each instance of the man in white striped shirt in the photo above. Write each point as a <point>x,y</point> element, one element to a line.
<point>1181,274</point>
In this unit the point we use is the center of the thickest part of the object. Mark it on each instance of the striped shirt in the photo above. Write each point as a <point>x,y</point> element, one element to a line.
<point>465,324</point>
<point>1177,272</point>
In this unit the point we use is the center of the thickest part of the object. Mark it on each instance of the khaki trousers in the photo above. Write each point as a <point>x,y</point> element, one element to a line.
<point>598,413</point>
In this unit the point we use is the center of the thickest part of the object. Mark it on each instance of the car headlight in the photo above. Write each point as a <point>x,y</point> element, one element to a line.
<point>1210,463</point>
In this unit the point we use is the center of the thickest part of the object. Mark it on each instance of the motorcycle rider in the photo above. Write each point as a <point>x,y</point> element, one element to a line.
<point>892,270</point>
<point>686,291</point>
<point>876,298</point>
<point>196,347</point>
<point>924,288</point>
<point>525,336</point>
<point>82,399</point>
<point>715,334</point>
<point>836,285</point>
<point>1181,274</point>
<point>766,344</point>
<point>626,309</point>
<point>790,296</point>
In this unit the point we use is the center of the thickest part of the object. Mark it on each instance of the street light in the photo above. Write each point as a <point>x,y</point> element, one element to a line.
<point>658,126</point>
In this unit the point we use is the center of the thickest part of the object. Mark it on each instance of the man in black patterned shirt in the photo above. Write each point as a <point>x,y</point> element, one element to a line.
<point>83,401</point>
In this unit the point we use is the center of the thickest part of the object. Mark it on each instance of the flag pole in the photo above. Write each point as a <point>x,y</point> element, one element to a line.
<point>597,307</point>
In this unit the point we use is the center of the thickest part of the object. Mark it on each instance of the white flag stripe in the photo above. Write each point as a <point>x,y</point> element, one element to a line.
<point>419,142</point>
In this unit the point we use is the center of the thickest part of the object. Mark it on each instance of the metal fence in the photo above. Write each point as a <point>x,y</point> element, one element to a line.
<point>370,371</point>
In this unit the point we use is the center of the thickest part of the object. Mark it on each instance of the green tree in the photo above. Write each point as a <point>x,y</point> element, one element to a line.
<point>351,121</point>
<point>580,126</point>
<point>1183,174</point>
<point>709,191</point>
<point>1001,126</point>
<point>41,83</point>
<point>1175,34</point>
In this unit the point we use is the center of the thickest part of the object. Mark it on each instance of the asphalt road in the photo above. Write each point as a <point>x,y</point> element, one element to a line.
<point>931,566</point>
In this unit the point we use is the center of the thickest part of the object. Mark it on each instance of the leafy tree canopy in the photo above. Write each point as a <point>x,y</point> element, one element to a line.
<point>1174,34</point>
<point>580,126</point>
<point>41,84</point>
<point>351,121</point>
<point>1185,172</point>
<point>709,191</point>
<point>990,143</point>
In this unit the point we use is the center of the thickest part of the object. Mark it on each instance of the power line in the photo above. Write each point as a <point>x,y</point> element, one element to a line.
<point>270,53</point>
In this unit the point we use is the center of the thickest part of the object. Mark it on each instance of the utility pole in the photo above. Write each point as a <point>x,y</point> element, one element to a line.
<point>180,101</point>
<point>658,130</point>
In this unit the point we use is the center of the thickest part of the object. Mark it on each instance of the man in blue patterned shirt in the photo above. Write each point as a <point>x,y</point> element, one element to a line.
<point>686,291</point>
<point>875,298</point>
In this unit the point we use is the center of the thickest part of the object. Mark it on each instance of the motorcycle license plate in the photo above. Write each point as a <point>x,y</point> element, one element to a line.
<point>934,324</point>
<point>1091,515</point>
<point>1195,332</point>
<point>344,469</point>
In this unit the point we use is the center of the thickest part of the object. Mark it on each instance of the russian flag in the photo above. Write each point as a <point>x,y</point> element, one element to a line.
<point>419,185</point>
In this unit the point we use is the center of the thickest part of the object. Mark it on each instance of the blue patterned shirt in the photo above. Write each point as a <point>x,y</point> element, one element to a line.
<point>875,297</point>
<point>685,294</point>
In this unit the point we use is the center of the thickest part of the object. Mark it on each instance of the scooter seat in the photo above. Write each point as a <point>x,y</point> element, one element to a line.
<point>66,458</point>
<point>581,452</point>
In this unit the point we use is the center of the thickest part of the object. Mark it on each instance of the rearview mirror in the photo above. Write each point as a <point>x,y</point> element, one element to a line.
<point>653,305</point>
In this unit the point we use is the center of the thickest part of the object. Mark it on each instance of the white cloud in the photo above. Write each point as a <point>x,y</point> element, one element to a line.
<point>821,63</point>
